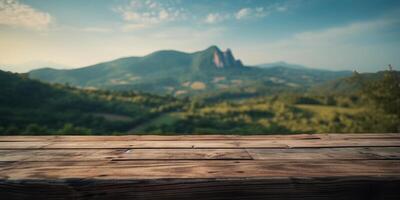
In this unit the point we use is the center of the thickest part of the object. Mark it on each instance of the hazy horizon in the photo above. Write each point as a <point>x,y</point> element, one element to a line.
<point>334,35</point>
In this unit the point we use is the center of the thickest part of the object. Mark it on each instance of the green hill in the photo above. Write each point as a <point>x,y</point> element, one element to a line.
<point>347,85</point>
<point>32,107</point>
<point>181,74</point>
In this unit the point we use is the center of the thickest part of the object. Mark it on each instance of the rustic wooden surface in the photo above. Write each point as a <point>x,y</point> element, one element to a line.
<point>323,166</point>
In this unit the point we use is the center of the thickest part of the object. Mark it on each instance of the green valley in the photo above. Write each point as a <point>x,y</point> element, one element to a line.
<point>206,92</point>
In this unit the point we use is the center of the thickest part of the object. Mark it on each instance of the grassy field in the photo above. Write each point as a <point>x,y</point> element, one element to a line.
<point>256,116</point>
<point>325,111</point>
<point>164,119</point>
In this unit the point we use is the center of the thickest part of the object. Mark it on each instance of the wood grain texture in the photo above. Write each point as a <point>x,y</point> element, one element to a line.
<point>197,169</point>
<point>342,188</point>
<point>154,138</point>
<point>218,144</point>
<point>355,153</point>
<point>304,166</point>
<point>76,155</point>
<point>201,137</point>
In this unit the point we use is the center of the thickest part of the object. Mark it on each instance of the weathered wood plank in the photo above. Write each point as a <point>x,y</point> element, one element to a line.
<point>144,144</point>
<point>368,136</point>
<point>327,166</point>
<point>52,155</point>
<point>115,144</point>
<point>340,143</point>
<point>368,153</point>
<point>134,144</point>
<point>184,154</point>
<point>151,138</point>
<point>338,188</point>
<point>198,154</point>
<point>197,137</point>
<point>320,143</point>
<point>132,170</point>
<point>23,145</point>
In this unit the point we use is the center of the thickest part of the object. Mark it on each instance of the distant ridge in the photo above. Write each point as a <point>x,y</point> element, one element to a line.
<point>282,64</point>
<point>180,73</point>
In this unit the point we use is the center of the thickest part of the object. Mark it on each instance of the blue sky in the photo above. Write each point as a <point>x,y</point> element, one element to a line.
<point>331,34</point>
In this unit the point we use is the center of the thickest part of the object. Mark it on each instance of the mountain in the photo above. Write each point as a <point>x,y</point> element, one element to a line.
<point>179,73</point>
<point>282,64</point>
<point>23,67</point>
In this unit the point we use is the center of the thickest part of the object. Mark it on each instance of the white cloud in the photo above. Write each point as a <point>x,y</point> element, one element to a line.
<point>16,14</point>
<point>144,14</point>
<point>213,18</point>
<point>245,13</point>
<point>282,8</point>
<point>259,12</point>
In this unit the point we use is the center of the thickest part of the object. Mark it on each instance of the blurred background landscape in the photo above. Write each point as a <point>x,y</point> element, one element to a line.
<point>158,67</point>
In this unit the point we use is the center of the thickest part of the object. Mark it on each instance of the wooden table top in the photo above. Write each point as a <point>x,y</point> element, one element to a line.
<point>155,167</point>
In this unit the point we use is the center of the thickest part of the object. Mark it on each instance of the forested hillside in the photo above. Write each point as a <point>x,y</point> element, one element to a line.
<point>32,107</point>
<point>372,106</point>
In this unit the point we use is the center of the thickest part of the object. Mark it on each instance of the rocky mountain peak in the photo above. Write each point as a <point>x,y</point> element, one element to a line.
<point>218,59</point>
<point>225,59</point>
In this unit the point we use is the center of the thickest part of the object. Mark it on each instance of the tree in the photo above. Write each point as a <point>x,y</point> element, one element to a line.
<point>385,92</point>
<point>35,129</point>
<point>12,130</point>
<point>71,129</point>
